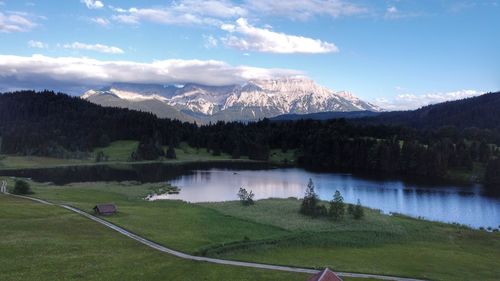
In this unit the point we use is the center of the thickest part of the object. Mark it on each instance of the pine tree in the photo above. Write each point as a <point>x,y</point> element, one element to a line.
<point>359,213</point>
<point>337,206</point>
<point>310,201</point>
<point>236,154</point>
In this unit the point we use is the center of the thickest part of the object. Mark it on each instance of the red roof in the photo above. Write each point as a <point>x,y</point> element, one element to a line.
<point>325,275</point>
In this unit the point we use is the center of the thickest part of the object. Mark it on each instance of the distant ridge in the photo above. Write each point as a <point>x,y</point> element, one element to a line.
<point>479,112</point>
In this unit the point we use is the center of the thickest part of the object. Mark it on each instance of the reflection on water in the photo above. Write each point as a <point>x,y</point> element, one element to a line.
<point>464,205</point>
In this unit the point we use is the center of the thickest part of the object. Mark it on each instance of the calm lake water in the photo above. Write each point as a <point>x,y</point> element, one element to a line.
<point>202,182</point>
<point>464,205</point>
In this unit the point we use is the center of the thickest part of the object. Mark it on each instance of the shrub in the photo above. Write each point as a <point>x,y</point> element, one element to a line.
<point>21,187</point>
<point>246,198</point>
<point>350,209</point>
<point>101,157</point>
<point>171,152</point>
<point>321,211</point>
<point>148,149</point>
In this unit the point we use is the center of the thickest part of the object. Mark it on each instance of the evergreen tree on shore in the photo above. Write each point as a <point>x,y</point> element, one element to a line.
<point>310,202</point>
<point>358,213</point>
<point>337,208</point>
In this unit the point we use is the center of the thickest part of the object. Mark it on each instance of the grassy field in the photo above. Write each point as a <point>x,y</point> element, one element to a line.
<point>273,232</point>
<point>121,150</point>
<point>187,153</point>
<point>463,175</point>
<point>22,162</point>
<point>41,242</point>
<point>117,152</point>
<point>280,157</point>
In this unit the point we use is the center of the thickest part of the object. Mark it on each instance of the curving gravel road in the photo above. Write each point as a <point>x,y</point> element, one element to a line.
<point>182,255</point>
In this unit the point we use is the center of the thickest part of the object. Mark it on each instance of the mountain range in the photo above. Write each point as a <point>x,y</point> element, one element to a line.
<point>254,100</point>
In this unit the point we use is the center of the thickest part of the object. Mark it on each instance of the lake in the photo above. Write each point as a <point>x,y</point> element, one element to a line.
<point>202,182</point>
<point>464,205</point>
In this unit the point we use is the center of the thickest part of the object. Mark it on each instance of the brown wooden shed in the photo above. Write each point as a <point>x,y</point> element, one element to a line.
<point>105,209</point>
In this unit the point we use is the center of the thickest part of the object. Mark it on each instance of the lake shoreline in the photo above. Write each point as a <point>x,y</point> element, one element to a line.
<point>4,171</point>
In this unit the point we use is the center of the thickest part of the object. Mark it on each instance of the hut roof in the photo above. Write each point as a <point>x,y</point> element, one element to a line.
<point>325,275</point>
<point>105,208</point>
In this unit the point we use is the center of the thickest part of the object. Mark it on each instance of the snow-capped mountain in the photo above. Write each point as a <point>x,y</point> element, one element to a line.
<point>253,100</point>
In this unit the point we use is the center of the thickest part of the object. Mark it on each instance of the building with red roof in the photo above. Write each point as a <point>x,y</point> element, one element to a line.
<point>325,275</point>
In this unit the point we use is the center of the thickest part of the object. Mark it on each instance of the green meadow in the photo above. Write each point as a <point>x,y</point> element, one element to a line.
<point>42,242</point>
<point>272,231</point>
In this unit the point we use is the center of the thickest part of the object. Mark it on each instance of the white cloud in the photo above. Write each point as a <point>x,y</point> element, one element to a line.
<point>217,8</point>
<point>392,10</point>
<point>164,16</point>
<point>300,9</point>
<point>94,47</point>
<point>100,21</point>
<point>264,40</point>
<point>393,13</point>
<point>40,71</point>
<point>37,44</point>
<point>210,41</point>
<point>412,101</point>
<point>128,19</point>
<point>183,12</point>
<point>93,4</point>
<point>15,22</point>
<point>214,12</point>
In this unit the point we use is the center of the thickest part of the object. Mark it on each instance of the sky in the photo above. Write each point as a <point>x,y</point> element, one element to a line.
<point>399,54</point>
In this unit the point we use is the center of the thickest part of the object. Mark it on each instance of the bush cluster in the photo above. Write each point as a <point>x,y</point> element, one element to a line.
<point>246,198</point>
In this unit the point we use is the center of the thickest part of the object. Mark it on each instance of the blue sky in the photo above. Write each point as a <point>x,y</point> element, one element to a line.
<point>398,53</point>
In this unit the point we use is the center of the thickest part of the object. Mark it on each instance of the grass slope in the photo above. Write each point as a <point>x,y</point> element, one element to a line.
<point>180,225</point>
<point>48,243</point>
<point>391,245</point>
<point>273,232</point>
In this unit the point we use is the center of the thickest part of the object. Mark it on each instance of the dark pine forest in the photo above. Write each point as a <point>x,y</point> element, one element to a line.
<point>427,142</point>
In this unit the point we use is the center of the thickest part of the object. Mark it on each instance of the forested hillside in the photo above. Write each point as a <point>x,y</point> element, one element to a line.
<point>52,124</point>
<point>478,112</point>
<point>58,125</point>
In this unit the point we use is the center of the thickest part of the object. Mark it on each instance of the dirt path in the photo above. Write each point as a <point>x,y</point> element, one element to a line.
<point>182,255</point>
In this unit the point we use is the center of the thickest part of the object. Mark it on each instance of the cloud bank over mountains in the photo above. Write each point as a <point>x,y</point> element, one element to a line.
<point>38,70</point>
